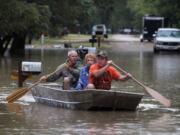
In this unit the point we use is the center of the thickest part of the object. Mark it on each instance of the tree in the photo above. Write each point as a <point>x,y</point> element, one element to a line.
<point>17,19</point>
<point>122,17</point>
<point>105,9</point>
<point>166,8</point>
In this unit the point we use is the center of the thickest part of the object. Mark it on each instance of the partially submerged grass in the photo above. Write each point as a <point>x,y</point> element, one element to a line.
<point>75,40</point>
<point>57,40</point>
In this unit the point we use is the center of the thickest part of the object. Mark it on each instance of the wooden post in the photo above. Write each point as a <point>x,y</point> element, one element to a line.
<point>92,44</point>
<point>20,78</point>
<point>99,41</point>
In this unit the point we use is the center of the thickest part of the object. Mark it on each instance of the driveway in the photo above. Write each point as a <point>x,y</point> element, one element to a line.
<point>130,43</point>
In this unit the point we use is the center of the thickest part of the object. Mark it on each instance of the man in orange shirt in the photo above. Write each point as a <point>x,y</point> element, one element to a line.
<point>102,73</point>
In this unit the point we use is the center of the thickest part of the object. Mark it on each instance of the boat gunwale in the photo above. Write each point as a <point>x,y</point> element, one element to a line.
<point>89,90</point>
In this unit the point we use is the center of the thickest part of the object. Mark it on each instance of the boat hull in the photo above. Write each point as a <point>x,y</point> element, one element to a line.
<point>86,99</point>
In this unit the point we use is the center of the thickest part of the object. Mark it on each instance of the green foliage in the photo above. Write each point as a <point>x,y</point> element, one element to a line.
<point>105,9</point>
<point>122,16</point>
<point>17,16</point>
<point>166,8</point>
<point>52,15</point>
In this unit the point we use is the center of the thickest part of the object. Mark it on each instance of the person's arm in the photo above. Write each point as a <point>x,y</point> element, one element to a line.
<point>43,78</point>
<point>102,70</point>
<point>74,71</point>
<point>125,77</point>
<point>116,75</point>
<point>53,76</point>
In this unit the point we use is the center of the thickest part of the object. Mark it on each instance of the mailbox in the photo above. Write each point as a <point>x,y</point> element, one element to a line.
<point>26,70</point>
<point>31,67</point>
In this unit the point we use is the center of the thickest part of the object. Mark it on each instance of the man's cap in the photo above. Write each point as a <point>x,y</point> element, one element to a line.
<point>102,54</point>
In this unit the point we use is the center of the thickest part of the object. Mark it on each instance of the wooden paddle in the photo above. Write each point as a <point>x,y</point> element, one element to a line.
<point>166,102</point>
<point>20,92</point>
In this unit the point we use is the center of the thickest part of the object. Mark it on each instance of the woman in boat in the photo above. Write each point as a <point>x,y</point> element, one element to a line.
<point>68,70</point>
<point>102,73</point>
<point>90,59</point>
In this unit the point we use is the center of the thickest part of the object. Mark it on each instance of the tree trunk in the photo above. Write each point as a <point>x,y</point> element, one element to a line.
<point>4,42</point>
<point>30,37</point>
<point>1,45</point>
<point>18,44</point>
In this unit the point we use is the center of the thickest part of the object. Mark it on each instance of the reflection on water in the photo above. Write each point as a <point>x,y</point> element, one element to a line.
<point>161,72</point>
<point>41,119</point>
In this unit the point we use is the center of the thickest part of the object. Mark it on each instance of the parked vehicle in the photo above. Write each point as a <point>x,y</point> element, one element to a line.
<point>150,25</point>
<point>167,39</point>
<point>99,29</point>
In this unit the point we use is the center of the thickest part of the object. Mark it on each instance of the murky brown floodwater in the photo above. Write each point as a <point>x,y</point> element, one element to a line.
<point>160,72</point>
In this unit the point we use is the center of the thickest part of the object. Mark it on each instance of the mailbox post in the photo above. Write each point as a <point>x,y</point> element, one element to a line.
<point>98,32</point>
<point>99,40</point>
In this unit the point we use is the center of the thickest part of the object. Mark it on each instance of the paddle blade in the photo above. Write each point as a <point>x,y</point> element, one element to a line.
<point>166,102</point>
<point>15,92</point>
<point>16,95</point>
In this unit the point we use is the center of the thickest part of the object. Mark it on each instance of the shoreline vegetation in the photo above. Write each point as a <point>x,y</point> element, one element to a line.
<point>73,40</point>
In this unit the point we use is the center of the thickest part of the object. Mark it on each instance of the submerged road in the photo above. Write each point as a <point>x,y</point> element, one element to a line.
<point>158,71</point>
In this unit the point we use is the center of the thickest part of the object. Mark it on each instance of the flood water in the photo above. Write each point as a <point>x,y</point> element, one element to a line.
<point>160,72</point>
